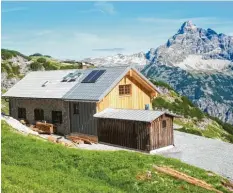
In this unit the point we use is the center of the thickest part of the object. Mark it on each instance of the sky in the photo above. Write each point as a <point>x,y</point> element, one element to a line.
<point>78,30</point>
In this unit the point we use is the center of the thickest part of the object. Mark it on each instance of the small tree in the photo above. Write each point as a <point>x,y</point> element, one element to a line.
<point>36,54</point>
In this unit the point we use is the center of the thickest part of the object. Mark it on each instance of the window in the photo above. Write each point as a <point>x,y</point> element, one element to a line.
<point>125,89</point>
<point>39,114</point>
<point>76,108</point>
<point>21,113</point>
<point>57,117</point>
<point>164,124</point>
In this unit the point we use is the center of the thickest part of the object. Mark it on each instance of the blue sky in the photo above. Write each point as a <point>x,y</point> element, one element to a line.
<point>76,30</point>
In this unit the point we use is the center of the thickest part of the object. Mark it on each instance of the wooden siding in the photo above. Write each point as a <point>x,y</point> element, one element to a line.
<point>131,134</point>
<point>84,122</point>
<point>136,135</point>
<point>139,97</point>
<point>161,137</point>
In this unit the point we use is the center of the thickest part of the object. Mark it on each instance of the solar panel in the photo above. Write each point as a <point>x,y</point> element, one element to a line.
<point>89,76</point>
<point>93,76</point>
<point>97,75</point>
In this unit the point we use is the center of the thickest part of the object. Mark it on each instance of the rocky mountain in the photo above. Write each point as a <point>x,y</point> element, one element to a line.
<point>196,50</point>
<point>196,62</point>
<point>138,59</point>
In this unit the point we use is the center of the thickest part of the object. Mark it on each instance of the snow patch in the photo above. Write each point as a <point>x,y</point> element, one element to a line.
<point>196,62</point>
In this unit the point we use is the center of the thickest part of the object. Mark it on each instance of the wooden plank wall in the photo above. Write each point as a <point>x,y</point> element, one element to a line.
<point>137,100</point>
<point>131,134</point>
<point>84,122</point>
<point>161,137</point>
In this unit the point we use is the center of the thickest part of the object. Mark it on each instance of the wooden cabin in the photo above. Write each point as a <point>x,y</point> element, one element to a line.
<point>69,99</point>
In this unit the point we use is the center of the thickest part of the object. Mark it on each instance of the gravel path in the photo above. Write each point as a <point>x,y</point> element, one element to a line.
<point>209,154</point>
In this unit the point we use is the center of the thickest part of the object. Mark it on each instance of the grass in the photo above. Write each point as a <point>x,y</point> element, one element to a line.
<point>30,164</point>
<point>4,104</point>
<point>211,130</point>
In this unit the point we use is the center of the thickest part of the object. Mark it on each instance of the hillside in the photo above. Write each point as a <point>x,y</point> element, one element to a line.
<point>193,120</point>
<point>30,164</point>
<point>15,65</point>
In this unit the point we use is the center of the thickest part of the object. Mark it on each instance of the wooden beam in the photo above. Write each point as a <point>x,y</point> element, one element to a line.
<point>145,84</point>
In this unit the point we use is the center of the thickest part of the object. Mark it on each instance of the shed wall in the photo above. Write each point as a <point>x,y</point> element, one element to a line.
<point>161,137</point>
<point>83,122</point>
<point>131,134</point>
<point>48,105</point>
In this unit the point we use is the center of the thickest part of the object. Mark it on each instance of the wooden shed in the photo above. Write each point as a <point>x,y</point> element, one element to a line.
<point>143,130</point>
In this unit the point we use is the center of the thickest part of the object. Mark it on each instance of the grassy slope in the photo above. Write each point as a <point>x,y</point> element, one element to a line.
<point>194,120</point>
<point>30,164</point>
<point>4,104</point>
<point>47,63</point>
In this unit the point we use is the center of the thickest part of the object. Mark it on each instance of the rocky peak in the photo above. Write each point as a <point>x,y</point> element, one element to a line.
<point>187,26</point>
<point>211,32</point>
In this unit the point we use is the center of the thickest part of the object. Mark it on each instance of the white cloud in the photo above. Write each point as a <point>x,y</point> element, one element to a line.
<point>102,7</point>
<point>69,45</point>
<point>108,49</point>
<point>14,9</point>
<point>43,32</point>
<point>105,7</point>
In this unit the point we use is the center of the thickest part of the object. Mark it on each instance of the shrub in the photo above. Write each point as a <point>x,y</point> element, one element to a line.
<point>47,56</point>
<point>226,126</point>
<point>71,66</point>
<point>49,66</point>
<point>16,70</point>
<point>229,137</point>
<point>162,84</point>
<point>41,60</point>
<point>36,66</point>
<point>191,131</point>
<point>179,107</point>
<point>6,67</point>
<point>187,101</point>
<point>8,54</point>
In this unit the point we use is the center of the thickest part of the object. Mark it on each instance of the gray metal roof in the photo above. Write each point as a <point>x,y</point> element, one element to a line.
<point>31,85</point>
<point>131,114</point>
<point>95,91</point>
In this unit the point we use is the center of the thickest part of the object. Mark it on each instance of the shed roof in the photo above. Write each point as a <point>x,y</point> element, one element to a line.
<point>31,85</point>
<point>131,114</point>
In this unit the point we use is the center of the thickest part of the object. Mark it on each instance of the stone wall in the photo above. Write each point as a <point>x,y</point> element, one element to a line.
<point>48,105</point>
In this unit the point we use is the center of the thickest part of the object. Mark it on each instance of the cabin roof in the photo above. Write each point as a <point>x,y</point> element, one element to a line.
<point>48,84</point>
<point>131,114</point>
